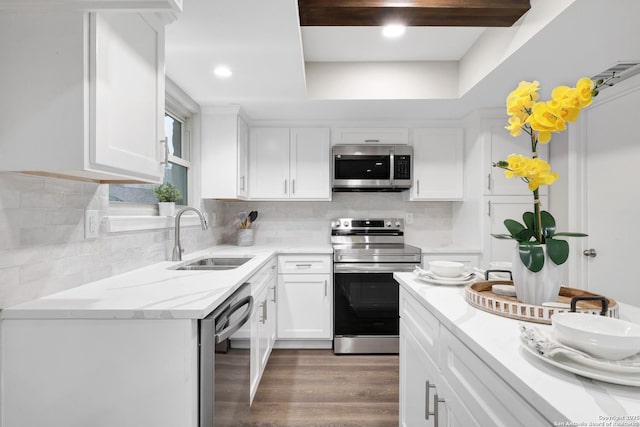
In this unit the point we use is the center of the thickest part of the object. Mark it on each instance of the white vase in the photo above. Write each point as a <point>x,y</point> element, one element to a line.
<point>245,237</point>
<point>166,208</point>
<point>536,288</point>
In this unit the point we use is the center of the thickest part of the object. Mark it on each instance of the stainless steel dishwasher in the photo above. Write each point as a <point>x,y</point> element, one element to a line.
<point>225,376</point>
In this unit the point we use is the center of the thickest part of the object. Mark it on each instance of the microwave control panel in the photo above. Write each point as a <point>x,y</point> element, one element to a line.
<point>402,167</point>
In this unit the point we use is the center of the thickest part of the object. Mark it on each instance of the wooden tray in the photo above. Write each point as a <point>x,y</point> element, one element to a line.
<point>479,295</point>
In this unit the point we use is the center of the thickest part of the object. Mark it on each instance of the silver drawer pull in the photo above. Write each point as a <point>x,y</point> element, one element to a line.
<point>437,401</point>
<point>427,412</point>
<point>303,265</point>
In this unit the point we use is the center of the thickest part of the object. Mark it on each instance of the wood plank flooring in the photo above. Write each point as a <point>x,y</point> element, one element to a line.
<point>317,388</point>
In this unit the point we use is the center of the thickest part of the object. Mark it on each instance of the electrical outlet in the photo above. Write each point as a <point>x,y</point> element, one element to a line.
<point>408,218</point>
<point>91,224</point>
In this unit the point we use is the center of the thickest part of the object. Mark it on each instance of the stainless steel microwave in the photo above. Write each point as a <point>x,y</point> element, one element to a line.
<point>372,167</point>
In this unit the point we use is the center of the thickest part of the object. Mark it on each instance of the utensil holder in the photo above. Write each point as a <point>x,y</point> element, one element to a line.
<point>245,237</point>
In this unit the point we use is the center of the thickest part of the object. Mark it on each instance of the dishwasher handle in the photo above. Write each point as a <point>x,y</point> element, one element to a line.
<point>231,329</point>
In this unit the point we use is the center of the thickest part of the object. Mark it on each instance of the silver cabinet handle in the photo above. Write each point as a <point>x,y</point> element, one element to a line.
<point>242,183</point>
<point>590,253</point>
<point>293,186</point>
<point>418,187</point>
<point>488,181</point>
<point>263,319</point>
<point>285,186</point>
<point>371,140</point>
<point>303,265</point>
<point>436,401</point>
<point>326,286</point>
<point>427,387</point>
<point>165,141</point>
<point>274,294</point>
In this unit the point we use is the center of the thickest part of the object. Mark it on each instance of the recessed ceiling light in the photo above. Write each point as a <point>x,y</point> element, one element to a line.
<point>222,71</point>
<point>393,31</point>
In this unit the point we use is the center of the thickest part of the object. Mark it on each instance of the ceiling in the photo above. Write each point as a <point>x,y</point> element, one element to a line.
<point>282,71</point>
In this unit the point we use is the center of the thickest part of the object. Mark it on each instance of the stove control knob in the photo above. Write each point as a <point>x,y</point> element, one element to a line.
<point>346,223</point>
<point>336,224</point>
<point>388,224</point>
<point>397,224</point>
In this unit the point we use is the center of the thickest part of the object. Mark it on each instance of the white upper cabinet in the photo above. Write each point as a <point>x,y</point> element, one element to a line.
<point>225,157</point>
<point>385,136</point>
<point>438,164</point>
<point>289,164</point>
<point>500,144</point>
<point>87,101</point>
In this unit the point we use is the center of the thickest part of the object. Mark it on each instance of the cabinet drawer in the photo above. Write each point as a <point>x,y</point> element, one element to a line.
<point>262,277</point>
<point>304,264</point>
<point>491,400</point>
<point>371,136</point>
<point>423,324</point>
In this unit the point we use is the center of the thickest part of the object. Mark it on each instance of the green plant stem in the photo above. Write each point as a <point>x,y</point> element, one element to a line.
<point>536,196</point>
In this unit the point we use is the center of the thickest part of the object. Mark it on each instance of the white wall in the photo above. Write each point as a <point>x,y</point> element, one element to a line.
<point>42,245</point>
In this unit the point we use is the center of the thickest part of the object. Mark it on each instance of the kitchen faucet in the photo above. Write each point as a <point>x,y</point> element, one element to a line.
<point>177,249</point>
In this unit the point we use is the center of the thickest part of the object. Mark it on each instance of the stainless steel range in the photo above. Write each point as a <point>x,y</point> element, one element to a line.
<point>366,253</point>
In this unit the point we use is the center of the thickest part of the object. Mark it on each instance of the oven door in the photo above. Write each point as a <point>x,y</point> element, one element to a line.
<point>366,299</point>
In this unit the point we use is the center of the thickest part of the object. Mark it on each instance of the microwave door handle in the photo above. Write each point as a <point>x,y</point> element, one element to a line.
<point>391,167</point>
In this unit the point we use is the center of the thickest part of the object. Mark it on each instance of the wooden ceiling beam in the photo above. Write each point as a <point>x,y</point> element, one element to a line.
<point>454,13</point>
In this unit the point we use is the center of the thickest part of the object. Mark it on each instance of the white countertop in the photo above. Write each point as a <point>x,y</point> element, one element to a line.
<point>556,393</point>
<point>157,291</point>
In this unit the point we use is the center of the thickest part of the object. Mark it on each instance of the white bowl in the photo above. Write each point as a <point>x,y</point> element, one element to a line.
<point>446,268</point>
<point>600,336</point>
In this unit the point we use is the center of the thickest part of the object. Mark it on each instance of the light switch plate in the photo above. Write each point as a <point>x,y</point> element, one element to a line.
<point>91,224</point>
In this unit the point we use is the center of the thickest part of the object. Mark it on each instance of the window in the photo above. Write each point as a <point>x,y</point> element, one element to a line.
<point>176,172</point>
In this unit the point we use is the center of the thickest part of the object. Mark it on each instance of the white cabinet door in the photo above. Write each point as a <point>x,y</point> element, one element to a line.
<point>416,395</point>
<point>269,163</point>
<point>304,306</point>
<point>310,164</point>
<point>438,164</point>
<point>100,108</point>
<point>243,160</point>
<point>224,154</point>
<point>126,83</point>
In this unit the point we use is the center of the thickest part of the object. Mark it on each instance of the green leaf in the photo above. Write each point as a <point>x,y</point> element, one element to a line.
<point>570,234</point>
<point>532,256</point>
<point>514,227</point>
<point>529,221</point>
<point>548,224</point>
<point>558,250</point>
<point>525,235</point>
<point>503,236</point>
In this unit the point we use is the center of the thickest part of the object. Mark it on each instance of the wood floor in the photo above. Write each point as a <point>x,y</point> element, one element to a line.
<point>318,388</point>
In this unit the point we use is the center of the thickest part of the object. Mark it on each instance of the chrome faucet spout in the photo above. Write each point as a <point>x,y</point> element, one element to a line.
<point>177,249</point>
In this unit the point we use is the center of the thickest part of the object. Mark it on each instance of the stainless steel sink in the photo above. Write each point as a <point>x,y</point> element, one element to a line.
<point>215,263</point>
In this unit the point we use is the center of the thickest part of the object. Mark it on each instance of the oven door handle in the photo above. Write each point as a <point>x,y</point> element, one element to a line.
<point>372,268</point>
<point>231,329</point>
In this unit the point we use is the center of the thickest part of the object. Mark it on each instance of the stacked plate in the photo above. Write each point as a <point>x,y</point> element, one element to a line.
<point>430,277</point>
<point>551,347</point>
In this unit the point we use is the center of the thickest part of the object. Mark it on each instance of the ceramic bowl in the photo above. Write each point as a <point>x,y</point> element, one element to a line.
<point>600,336</point>
<point>447,268</point>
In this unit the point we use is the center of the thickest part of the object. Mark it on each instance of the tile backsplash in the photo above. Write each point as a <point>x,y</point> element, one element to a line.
<point>42,244</point>
<point>300,223</point>
<point>43,249</point>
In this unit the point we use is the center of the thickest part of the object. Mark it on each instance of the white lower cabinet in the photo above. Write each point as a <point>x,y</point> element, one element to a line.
<point>304,297</point>
<point>443,383</point>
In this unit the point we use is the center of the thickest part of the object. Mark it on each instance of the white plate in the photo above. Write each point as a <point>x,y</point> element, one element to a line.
<point>570,365</point>
<point>445,282</point>
<point>431,275</point>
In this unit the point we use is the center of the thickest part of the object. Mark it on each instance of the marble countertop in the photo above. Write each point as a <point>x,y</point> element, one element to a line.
<point>556,393</point>
<point>158,291</point>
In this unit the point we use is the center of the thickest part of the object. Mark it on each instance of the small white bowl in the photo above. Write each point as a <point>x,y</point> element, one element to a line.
<point>446,268</point>
<point>600,336</point>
